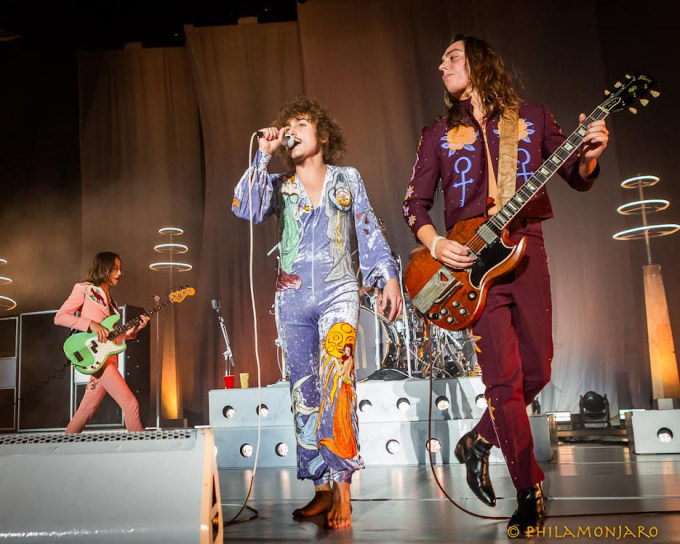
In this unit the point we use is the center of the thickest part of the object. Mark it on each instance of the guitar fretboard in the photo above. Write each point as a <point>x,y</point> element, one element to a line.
<point>491,229</point>
<point>135,321</point>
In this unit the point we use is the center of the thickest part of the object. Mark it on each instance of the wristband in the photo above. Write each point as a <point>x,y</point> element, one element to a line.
<point>434,246</point>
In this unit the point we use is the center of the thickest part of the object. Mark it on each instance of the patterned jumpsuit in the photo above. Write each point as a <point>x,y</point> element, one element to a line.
<point>317,304</point>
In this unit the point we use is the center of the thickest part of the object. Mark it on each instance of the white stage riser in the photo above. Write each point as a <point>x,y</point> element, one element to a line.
<point>373,438</point>
<point>110,487</point>
<point>383,395</point>
<point>644,427</point>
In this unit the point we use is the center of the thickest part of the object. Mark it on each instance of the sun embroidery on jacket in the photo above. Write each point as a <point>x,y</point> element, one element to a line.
<point>409,192</point>
<point>524,130</point>
<point>461,137</point>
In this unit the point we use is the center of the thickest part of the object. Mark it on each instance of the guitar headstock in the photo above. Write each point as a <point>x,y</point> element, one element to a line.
<point>634,89</point>
<point>180,294</point>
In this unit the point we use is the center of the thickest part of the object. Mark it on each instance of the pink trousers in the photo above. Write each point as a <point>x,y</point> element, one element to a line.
<point>109,381</point>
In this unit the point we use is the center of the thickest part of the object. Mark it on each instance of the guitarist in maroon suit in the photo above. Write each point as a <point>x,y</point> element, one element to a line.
<point>462,150</point>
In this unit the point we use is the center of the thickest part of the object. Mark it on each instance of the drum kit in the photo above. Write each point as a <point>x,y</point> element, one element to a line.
<point>409,347</point>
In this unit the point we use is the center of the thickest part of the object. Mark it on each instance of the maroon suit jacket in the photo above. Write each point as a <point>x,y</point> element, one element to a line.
<point>458,158</point>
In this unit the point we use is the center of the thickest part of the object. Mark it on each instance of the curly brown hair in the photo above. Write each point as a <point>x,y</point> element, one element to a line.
<point>488,76</point>
<point>327,128</point>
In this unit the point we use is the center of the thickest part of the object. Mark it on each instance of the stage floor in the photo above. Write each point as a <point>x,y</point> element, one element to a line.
<point>404,504</point>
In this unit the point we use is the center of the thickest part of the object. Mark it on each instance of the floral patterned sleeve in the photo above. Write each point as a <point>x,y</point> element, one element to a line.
<point>375,257</point>
<point>262,191</point>
<point>423,185</point>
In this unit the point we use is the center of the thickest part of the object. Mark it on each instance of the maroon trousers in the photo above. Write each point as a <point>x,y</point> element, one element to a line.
<point>516,352</point>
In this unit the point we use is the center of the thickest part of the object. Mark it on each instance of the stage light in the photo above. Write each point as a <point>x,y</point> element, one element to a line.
<point>434,445</point>
<point>172,231</point>
<point>651,205</point>
<point>639,181</point>
<point>480,401</point>
<point>179,267</point>
<point>228,412</point>
<point>7,303</point>
<point>262,410</point>
<point>393,447</point>
<point>665,435</point>
<point>365,406</point>
<point>442,403</point>
<point>171,248</point>
<point>246,450</point>
<point>403,404</point>
<point>282,449</point>
<point>594,410</point>
<point>640,233</point>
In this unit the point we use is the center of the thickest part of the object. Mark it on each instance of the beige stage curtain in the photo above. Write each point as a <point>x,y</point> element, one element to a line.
<point>243,74</point>
<point>141,170</point>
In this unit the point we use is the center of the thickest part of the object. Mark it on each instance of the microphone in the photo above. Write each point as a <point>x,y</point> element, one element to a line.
<point>215,304</point>
<point>287,142</point>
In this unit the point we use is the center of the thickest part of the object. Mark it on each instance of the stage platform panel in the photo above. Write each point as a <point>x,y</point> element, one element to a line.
<point>403,504</point>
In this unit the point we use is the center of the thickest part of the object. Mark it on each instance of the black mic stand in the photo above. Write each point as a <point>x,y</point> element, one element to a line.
<point>228,356</point>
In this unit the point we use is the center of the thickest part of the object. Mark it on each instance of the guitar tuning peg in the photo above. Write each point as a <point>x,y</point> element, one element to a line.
<point>632,110</point>
<point>655,94</point>
<point>617,84</point>
<point>644,101</point>
<point>607,92</point>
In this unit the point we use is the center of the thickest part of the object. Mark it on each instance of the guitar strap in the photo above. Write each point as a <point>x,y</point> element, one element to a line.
<point>507,157</point>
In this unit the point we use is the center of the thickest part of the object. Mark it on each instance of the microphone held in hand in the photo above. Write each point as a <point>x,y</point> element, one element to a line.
<point>287,142</point>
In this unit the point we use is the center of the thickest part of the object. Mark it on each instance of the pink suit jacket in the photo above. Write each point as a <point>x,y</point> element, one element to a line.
<point>92,304</point>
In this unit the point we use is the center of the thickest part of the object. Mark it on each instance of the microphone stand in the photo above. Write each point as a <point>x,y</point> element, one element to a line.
<point>404,317</point>
<point>157,300</point>
<point>227,354</point>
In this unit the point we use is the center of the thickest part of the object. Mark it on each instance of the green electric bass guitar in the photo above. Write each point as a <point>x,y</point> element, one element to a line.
<point>88,354</point>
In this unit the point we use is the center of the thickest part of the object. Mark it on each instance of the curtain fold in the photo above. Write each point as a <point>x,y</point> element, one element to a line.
<point>243,74</point>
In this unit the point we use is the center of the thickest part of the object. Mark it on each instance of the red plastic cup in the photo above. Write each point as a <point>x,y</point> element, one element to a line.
<point>229,382</point>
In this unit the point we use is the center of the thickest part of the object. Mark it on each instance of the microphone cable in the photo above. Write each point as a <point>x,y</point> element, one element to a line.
<point>245,506</point>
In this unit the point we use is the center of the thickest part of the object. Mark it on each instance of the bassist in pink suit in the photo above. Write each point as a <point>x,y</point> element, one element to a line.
<point>94,303</point>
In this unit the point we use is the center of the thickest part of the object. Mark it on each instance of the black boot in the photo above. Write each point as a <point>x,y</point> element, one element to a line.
<point>473,450</point>
<point>530,512</point>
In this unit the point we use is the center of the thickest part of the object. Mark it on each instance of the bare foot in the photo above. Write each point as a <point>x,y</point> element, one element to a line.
<point>320,504</point>
<point>340,514</point>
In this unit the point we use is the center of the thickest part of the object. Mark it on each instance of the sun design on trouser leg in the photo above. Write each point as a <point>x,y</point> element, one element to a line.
<point>337,374</point>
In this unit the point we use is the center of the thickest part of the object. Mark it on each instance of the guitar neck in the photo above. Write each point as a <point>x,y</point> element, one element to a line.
<point>121,330</point>
<point>527,191</point>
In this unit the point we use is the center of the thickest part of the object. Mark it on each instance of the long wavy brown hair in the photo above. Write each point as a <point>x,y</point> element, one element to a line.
<point>327,128</point>
<point>488,76</point>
